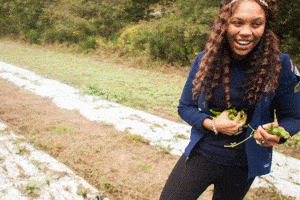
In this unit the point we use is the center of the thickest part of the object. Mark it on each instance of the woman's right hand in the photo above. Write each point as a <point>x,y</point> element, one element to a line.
<point>227,126</point>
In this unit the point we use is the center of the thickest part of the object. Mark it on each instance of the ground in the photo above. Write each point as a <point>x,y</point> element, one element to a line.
<point>123,166</point>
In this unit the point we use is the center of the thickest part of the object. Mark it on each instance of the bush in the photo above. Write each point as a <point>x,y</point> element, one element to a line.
<point>174,39</point>
<point>89,43</point>
<point>290,45</point>
<point>134,38</point>
<point>167,42</point>
<point>105,18</point>
<point>24,17</point>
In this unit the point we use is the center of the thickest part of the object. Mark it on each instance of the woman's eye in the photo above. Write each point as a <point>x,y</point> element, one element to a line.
<point>257,24</point>
<point>237,23</point>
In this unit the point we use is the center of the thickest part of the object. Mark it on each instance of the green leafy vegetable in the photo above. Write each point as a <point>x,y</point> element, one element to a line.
<point>278,131</point>
<point>273,131</point>
<point>232,115</point>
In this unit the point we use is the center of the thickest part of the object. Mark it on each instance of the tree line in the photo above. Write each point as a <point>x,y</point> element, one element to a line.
<point>174,36</point>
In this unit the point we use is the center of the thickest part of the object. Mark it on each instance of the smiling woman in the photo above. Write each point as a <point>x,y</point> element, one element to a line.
<point>241,68</point>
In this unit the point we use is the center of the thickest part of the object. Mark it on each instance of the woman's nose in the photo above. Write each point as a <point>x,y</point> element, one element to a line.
<point>246,30</point>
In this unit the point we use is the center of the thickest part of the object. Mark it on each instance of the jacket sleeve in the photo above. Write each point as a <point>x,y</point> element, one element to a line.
<point>188,107</point>
<point>287,101</point>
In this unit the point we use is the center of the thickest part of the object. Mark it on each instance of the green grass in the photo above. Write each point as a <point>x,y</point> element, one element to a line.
<point>139,138</point>
<point>21,150</point>
<point>62,129</point>
<point>143,89</point>
<point>33,188</point>
<point>144,167</point>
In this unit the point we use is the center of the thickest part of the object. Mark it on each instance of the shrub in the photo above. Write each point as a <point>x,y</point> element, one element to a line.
<point>166,42</point>
<point>24,17</point>
<point>89,43</point>
<point>105,18</point>
<point>169,39</point>
<point>288,46</point>
<point>134,38</point>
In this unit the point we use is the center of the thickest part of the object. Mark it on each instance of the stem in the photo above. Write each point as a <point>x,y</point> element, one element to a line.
<point>236,144</point>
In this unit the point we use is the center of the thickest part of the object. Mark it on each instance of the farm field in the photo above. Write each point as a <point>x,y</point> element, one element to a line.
<point>111,160</point>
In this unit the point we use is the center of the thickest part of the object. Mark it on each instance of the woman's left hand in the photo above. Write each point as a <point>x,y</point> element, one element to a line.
<point>263,138</point>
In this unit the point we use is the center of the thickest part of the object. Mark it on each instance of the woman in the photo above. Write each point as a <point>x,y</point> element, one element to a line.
<point>241,68</point>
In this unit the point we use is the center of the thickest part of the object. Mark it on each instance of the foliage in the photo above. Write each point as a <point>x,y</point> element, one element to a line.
<point>105,94</point>
<point>27,18</point>
<point>139,138</point>
<point>136,10</point>
<point>288,27</point>
<point>174,39</point>
<point>278,131</point>
<point>287,22</point>
<point>33,188</point>
<point>144,167</point>
<point>103,17</point>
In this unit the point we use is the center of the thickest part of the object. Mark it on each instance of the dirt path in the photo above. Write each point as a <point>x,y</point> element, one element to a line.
<point>123,165</point>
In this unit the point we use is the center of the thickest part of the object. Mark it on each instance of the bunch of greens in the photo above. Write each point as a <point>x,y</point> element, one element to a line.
<point>273,131</point>
<point>278,131</point>
<point>232,115</point>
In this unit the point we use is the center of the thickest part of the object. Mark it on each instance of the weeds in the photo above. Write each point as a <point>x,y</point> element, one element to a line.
<point>33,188</point>
<point>2,158</point>
<point>144,167</point>
<point>163,149</point>
<point>54,149</point>
<point>106,94</point>
<point>293,142</point>
<point>47,181</point>
<point>62,129</point>
<point>94,136</point>
<point>105,185</point>
<point>41,166</point>
<point>180,136</point>
<point>21,150</point>
<point>82,191</point>
<point>107,124</point>
<point>139,138</point>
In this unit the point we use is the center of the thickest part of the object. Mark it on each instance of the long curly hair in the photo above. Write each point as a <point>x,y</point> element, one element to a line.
<point>265,64</point>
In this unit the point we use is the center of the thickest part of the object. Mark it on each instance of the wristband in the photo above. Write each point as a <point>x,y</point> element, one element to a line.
<point>214,127</point>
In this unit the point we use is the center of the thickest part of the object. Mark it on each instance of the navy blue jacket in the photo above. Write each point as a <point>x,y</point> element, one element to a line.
<point>286,102</point>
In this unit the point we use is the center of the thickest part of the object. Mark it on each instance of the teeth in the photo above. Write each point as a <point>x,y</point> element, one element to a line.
<point>243,43</point>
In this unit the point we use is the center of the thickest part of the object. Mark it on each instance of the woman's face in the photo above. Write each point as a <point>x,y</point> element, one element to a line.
<point>245,28</point>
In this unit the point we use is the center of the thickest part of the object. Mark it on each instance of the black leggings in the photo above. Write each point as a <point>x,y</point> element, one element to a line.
<point>190,179</point>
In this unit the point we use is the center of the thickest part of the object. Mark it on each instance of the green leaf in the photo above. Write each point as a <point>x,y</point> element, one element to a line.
<point>278,131</point>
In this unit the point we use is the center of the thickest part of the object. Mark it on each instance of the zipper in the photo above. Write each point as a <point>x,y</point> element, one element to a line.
<point>187,159</point>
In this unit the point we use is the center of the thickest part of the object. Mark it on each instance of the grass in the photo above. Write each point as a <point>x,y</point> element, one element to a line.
<point>146,89</point>
<point>294,141</point>
<point>33,188</point>
<point>41,166</point>
<point>144,167</point>
<point>54,149</point>
<point>21,150</point>
<point>62,129</point>
<point>139,138</point>
<point>163,149</point>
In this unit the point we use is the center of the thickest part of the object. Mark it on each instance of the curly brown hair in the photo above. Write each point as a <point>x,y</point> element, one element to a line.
<point>265,64</point>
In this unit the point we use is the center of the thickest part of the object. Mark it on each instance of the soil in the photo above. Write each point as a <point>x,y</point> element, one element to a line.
<point>110,160</point>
